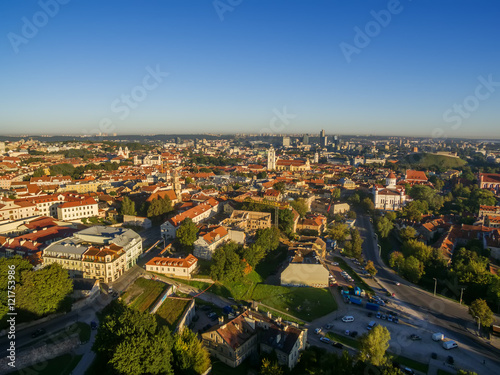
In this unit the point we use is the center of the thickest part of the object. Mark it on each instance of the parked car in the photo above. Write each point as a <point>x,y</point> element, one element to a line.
<point>348,319</point>
<point>415,337</point>
<point>450,360</point>
<point>408,371</point>
<point>338,345</point>
<point>379,315</point>
<point>328,326</point>
<point>317,331</point>
<point>326,340</point>
<point>335,263</point>
<point>38,332</point>
<point>93,325</point>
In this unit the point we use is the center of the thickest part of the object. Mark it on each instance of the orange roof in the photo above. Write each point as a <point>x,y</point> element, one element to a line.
<point>415,175</point>
<point>162,194</point>
<point>83,202</point>
<point>215,234</point>
<point>173,262</point>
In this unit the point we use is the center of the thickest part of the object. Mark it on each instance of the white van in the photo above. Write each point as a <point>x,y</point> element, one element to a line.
<point>348,319</point>
<point>450,345</point>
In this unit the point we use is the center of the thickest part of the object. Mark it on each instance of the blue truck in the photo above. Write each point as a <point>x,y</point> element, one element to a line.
<point>355,300</point>
<point>372,306</point>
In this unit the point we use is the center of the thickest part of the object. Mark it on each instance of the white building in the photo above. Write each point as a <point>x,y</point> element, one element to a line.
<point>98,252</point>
<point>271,159</point>
<point>78,209</point>
<point>18,209</point>
<point>390,198</point>
<point>173,267</point>
<point>207,242</point>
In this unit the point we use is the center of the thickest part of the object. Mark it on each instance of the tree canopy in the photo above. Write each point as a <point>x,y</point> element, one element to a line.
<point>43,291</point>
<point>128,207</point>
<point>479,309</point>
<point>187,233</point>
<point>374,345</point>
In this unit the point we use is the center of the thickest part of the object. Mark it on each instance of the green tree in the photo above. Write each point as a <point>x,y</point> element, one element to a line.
<point>226,263</point>
<point>261,175</point>
<point>391,215</point>
<point>397,260</point>
<point>415,209</point>
<point>253,254</point>
<point>42,292</point>
<point>413,269</point>
<point>407,233</point>
<point>336,193</point>
<point>367,204</point>
<point>353,247</point>
<point>417,249</point>
<point>285,221</point>
<point>374,345</point>
<point>270,368</point>
<point>479,309</point>
<point>384,226</point>
<point>190,356</point>
<point>128,207</point>
<point>268,239</point>
<point>370,268</point>
<point>300,206</point>
<point>131,342</point>
<point>338,231</point>
<point>280,186</point>
<point>187,233</point>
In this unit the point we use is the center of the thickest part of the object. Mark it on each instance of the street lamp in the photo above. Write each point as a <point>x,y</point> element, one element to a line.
<point>478,322</point>
<point>379,250</point>
<point>435,285</point>
<point>461,293</point>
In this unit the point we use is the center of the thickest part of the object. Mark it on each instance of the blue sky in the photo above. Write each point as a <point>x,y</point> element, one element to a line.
<point>231,68</point>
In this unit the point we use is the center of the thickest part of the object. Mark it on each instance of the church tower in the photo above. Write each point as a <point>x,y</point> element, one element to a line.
<point>271,159</point>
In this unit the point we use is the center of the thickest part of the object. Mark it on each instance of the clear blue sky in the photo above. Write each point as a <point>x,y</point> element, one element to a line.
<point>233,74</point>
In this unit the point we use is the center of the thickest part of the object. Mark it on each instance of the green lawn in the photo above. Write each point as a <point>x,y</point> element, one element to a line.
<point>171,311</point>
<point>346,340</point>
<point>143,293</point>
<point>408,362</point>
<point>62,365</point>
<point>359,281</point>
<point>304,303</point>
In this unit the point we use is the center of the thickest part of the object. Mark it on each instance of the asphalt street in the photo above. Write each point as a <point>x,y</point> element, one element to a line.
<point>454,318</point>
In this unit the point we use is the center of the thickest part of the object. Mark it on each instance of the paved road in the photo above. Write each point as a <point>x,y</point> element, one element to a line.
<point>451,316</point>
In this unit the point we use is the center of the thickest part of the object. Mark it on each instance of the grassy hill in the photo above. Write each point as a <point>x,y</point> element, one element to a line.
<point>423,160</point>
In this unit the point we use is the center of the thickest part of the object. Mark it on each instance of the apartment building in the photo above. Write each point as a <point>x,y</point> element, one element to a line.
<point>98,252</point>
<point>16,209</point>
<point>76,210</point>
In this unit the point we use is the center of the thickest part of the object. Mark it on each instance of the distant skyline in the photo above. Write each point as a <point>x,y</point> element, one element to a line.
<point>401,68</point>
